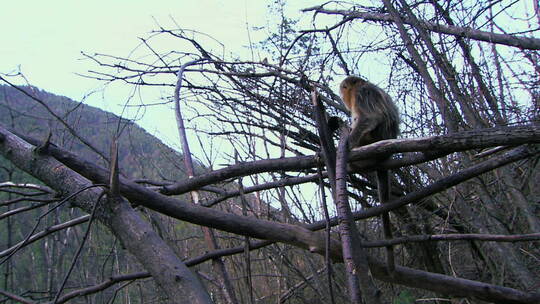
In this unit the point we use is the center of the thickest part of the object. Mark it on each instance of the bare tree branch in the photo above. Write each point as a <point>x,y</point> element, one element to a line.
<point>465,32</point>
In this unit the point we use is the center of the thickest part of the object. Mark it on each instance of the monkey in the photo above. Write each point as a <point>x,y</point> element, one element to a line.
<point>374,117</point>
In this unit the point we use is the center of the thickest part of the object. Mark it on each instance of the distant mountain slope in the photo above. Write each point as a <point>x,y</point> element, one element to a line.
<point>141,154</point>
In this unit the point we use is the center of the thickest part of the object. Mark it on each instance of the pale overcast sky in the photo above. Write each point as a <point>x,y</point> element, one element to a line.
<point>45,39</point>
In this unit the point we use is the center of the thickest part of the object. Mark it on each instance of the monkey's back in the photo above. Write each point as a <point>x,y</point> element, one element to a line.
<point>375,104</point>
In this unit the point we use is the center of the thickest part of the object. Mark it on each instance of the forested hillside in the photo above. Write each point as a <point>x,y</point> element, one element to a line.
<point>36,270</point>
<point>141,154</point>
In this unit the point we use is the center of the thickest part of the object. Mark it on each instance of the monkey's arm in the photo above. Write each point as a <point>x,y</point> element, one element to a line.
<point>362,128</point>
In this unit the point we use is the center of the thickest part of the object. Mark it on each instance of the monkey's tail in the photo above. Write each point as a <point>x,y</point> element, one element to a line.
<point>383,188</point>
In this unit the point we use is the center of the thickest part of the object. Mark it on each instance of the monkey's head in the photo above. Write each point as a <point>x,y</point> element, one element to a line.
<point>347,89</point>
<point>350,82</point>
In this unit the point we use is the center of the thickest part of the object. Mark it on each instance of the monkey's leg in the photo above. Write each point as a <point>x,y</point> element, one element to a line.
<point>383,188</point>
<point>361,132</point>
